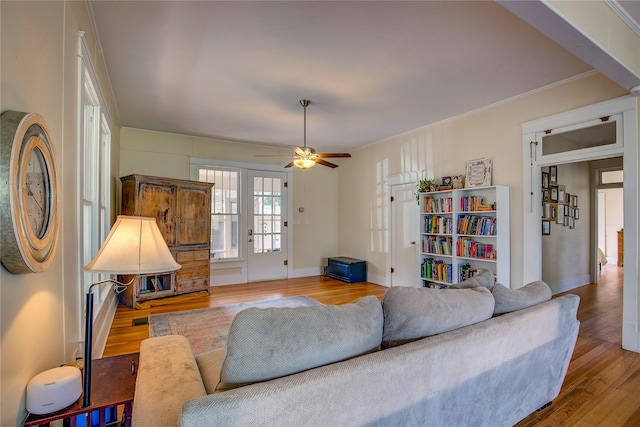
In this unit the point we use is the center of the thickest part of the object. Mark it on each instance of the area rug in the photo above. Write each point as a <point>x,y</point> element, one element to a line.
<point>207,328</point>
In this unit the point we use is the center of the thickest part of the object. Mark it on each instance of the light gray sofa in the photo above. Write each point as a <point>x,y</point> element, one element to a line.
<point>492,372</point>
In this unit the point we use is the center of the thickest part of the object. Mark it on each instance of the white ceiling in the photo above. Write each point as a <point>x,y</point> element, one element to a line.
<point>236,70</point>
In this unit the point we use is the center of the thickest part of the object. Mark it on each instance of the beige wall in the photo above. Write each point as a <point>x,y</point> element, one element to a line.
<point>40,314</point>
<point>442,149</point>
<point>315,230</point>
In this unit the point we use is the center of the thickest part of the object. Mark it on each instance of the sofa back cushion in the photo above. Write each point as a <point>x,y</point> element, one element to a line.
<point>486,279</point>
<point>508,300</point>
<point>414,313</point>
<point>264,344</point>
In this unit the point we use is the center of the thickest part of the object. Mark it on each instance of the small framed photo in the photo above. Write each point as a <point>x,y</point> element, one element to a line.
<point>554,212</point>
<point>576,213</point>
<point>546,227</point>
<point>478,173</point>
<point>566,210</point>
<point>566,220</point>
<point>560,219</point>
<point>562,190</point>
<point>446,181</point>
<point>567,198</point>
<point>553,193</point>
<point>574,200</point>
<point>572,223</point>
<point>545,180</point>
<point>553,175</point>
<point>545,195</point>
<point>546,210</point>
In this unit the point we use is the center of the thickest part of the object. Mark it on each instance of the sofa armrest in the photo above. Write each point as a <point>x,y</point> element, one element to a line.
<point>168,376</point>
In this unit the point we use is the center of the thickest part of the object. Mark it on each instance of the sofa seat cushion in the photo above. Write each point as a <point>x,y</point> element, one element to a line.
<point>508,300</point>
<point>414,313</point>
<point>264,344</point>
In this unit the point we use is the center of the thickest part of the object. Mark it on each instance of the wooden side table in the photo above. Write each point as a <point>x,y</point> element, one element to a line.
<point>113,382</point>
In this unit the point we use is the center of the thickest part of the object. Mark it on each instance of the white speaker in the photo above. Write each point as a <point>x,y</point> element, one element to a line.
<point>52,390</point>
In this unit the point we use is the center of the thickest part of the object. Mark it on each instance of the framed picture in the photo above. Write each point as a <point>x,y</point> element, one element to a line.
<point>545,195</point>
<point>561,193</point>
<point>478,173</point>
<point>545,180</point>
<point>546,227</point>
<point>572,223</point>
<point>574,200</point>
<point>566,210</point>
<point>566,221</point>
<point>553,175</point>
<point>567,198</point>
<point>576,213</point>
<point>560,219</point>
<point>553,193</point>
<point>446,181</point>
<point>546,210</point>
<point>554,212</point>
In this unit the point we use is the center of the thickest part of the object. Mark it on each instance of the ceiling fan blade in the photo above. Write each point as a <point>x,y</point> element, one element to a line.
<point>325,163</point>
<point>327,155</point>
<point>289,165</point>
<point>300,151</point>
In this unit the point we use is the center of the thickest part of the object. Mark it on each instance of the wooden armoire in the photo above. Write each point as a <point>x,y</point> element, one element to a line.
<point>182,210</point>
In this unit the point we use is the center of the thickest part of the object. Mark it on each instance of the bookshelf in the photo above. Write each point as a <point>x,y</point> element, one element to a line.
<point>462,231</point>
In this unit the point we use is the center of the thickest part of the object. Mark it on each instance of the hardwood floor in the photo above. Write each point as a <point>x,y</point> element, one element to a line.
<point>602,387</point>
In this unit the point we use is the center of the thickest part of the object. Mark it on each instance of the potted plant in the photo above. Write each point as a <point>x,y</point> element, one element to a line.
<point>425,185</point>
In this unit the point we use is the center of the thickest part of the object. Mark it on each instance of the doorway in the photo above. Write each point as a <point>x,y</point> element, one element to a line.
<point>404,235</point>
<point>266,230</point>
<point>624,112</point>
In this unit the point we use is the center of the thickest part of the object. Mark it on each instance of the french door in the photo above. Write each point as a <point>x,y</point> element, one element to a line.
<point>266,228</point>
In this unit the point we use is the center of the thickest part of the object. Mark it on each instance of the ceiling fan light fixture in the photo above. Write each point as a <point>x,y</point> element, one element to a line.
<point>304,163</point>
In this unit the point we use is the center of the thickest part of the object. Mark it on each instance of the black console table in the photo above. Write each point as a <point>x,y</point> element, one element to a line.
<point>346,269</point>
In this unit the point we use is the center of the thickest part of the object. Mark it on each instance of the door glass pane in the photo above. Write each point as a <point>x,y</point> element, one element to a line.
<point>267,200</point>
<point>593,136</point>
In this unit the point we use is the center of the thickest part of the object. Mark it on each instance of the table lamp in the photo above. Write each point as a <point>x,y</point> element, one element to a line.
<point>134,246</point>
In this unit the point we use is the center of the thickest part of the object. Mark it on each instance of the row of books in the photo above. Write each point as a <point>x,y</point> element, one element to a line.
<point>468,248</point>
<point>152,284</point>
<point>475,204</point>
<point>465,271</point>
<point>432,204</point>
<point>433,269</point>
<point>477,225</point>
<point>439,245</point>
<point>438,225</point>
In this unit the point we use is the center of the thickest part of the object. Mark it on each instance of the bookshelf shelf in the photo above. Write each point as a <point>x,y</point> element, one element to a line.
<point>462,231</point>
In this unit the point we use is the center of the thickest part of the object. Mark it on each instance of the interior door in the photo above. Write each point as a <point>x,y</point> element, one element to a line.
<point>404,236</point>
<point>266,229</point>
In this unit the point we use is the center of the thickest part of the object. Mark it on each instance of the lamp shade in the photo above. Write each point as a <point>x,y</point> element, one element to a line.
<point>304,162</point>
<point>134,246</point>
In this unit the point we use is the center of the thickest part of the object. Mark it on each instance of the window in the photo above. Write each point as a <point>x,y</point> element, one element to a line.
<point>611,177</point>
<point>94,174</point>
<point>224,210</point>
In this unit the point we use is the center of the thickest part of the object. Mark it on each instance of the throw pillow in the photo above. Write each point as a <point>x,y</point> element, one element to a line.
<point>264,344</point>
<point>485,279</point>
<point>414,313</point>
<point>508,300</point>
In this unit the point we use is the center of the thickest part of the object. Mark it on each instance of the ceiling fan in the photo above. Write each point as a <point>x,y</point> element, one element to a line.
<point>306,157</point>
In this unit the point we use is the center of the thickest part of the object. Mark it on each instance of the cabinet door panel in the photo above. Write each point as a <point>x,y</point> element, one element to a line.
<point>194,206</point>
<point>158,201</point>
